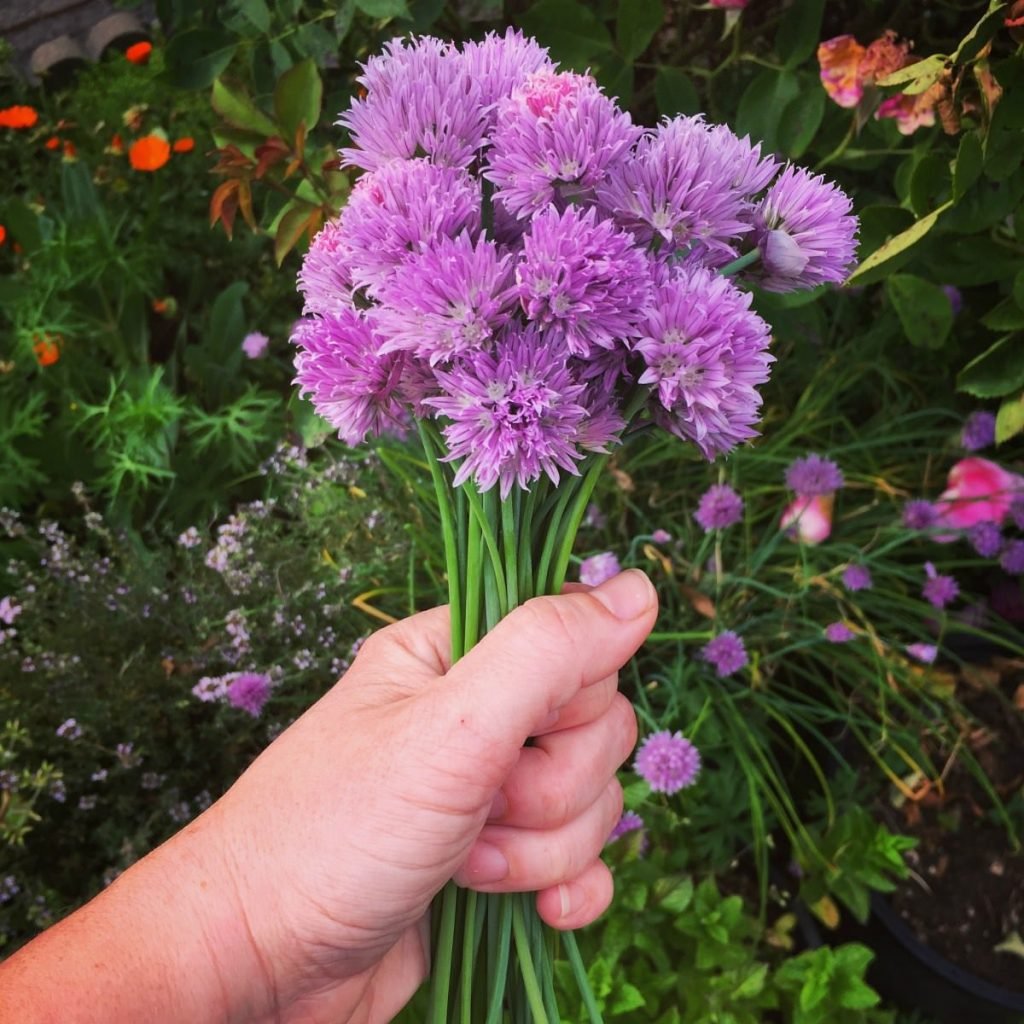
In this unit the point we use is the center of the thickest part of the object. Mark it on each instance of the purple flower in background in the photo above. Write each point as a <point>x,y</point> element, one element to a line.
<point>210,688</point>
<point>986,538</point>
<point>556,138</point>
<point>69,730</point>
<point>939,590</point>
<point>956,300</point>
<point>421,98</point>
<point>979,431</point>
<point>838,633</point>
<point>813,475</point>
<point>706,351</point>
<point>805,232</point>
<point>920,514</point>
<point>189,538</point>
<point>448,299</point>
<point>726,652</point>
<point>9,611</point>
<point>720,506</point>
<point>1016,512</point>
<point>249,691</point>
<point>857,577</point>
<point>353,386</point>
<point>629,822</point>
<point>404,207</point>
<point>923,652</point>
<point>254,345</point>
<point>513,415</point>
<point>583,280</point>
<point>598,568</point>
<point>667,761</point>
<point>661,537</point>
<point>1012,558</point>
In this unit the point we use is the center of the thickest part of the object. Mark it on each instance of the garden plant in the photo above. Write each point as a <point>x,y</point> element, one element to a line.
<point>314,314</point>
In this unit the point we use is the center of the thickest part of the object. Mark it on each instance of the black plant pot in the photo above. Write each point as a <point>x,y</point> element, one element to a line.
<point>910,974</point>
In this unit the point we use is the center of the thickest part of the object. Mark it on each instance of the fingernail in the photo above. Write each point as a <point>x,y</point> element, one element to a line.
<point>485,864</point>
<point>499,805</point>
<point>626,596</point>
<point>571,896</point>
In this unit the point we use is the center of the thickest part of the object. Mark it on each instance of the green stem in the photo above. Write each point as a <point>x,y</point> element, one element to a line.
<point>579,509</point>
<point>547,553</point>
<point>741,263</point>
<point>443,951</point>
<point>508,542</point>
<point>485,512</point>
<point>529,975</point>
<point>576,962</point>
<point>474,583</point>
<point>498,968</point>
<point>470,938</point>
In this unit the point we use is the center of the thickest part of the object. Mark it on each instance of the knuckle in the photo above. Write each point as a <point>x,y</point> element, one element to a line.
<point>626,725</point>
<point>548,622</point>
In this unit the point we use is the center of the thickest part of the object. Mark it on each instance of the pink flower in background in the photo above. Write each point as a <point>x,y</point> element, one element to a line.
<point>9,610</point>
<point>249,691</point>
<point>840,59</point>
<point>923,652</point>
<point>598,568</point>
<point>729,5</point>
<point>977,491</point>
<point>667,761</point>
<point>911,112</point>
<point>254,345</point>
<point>809,518</point>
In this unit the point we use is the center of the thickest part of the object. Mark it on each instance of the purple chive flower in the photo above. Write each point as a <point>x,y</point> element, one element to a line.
<point>400,209</point>
<point>583,280</point>
<point>598,568</point>
<point>805,232</point>
<point>667,761</point>
<point>556,138</point>
<point>254,345</point>
<point>939,590</point>
<point>839,633</point>
<point>325,279</point>
<point>986,538</point>
<point>512,415</point>
<point>920,514</point>
<point>726,652</point>
<point>979,431</point>
<point>446,300</point>
<point>661,537</point>
<point>857,577</point>
<point>956,300</point>
<point>351,385</point>
<point>249,691</point>
<point>813,475</point>
<point>1016,512</point>
<point>688,184</point>
<point>499,64</point>
<point>421,98</point>
<point>923,652</point>
<point>629,822</point>
<point>1012,558</point>
<point>707,352</point>
<point>720,506</point>
<point>69,730</point>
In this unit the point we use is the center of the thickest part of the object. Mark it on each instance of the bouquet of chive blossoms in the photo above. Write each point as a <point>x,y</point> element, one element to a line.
<point>528,277</point>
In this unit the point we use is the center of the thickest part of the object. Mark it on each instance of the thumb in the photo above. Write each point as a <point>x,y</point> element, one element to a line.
<point>537,659</point>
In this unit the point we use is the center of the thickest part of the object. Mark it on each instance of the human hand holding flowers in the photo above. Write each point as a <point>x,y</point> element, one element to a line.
<point>302,894</point>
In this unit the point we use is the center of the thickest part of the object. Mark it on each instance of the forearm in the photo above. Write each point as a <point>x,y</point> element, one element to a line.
<point>165,943</point>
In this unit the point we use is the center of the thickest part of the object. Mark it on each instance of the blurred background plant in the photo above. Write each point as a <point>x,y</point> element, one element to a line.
<point>176,519</point>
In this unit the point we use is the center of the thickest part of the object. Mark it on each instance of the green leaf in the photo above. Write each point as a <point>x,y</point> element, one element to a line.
<point>967,168</point>
<point>343,19</point>
<point>290,227</point>
<point>257,13</point>
<point>227,318</point>
<point>1018,289</point>
<point>997,371</point>
<point>22,224</point>
<point>1005,316</point>
<point>799,31</point>
<point>762,103</point>
<point>930,66</point>
<point>871,268</point>
<point>801,120</point>
<point>972,43</point>
<point>197,56</point>
<point>674,92</point>
<point>1010,419</point>
<point>615,76</point>
<point>384,8</point>
<point>674,894</point>
<point>239,110</point>
<point>628,997</point>
<point>930,179</point>
<point>298,97</point>
<point>78,193</point>
<point>572,32</point>
<point>636,24</point>
<point>923,308</point>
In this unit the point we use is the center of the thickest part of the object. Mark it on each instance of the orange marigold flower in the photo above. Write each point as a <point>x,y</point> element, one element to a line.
<point>138,53</point>
<point>52,142</point>
<point>160,305</point>
<point>149,153</point>
<point>184,145</point>
<point>116,144</point>
<point>47,348</point>
<point>70,152</point>
<point>18,117</point>
<point>3,234</point>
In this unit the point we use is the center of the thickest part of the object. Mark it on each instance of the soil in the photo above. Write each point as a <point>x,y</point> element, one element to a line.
<point>965,896</point>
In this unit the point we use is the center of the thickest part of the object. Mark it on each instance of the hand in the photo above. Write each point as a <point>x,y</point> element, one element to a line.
<point>410,771</point>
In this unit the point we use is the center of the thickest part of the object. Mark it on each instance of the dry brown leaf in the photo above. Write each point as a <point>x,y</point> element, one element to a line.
<point>700,603</point>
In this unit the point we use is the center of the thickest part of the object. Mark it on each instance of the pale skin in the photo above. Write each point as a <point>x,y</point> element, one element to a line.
<point>302,895</point>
